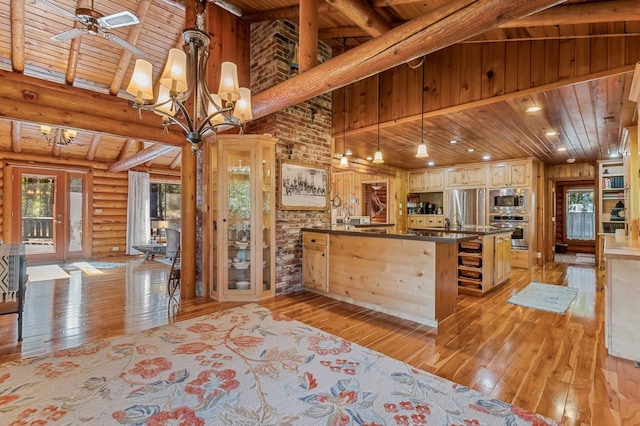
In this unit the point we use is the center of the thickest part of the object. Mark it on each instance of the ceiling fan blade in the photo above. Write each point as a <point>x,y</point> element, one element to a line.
<point>125,44</point>
<point>120,19</point>
<point>69,34</point>
<point>58,9</point>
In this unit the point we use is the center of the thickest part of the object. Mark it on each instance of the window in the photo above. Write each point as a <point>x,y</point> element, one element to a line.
<point>580,214</point>
<point>165,206</point>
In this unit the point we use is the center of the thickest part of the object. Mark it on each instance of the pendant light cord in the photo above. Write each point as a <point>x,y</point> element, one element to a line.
<point>422,104</point>
<point>344,108</point>
<point>378,111</point>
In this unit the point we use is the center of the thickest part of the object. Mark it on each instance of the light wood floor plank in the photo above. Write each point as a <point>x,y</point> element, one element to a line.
<point>550,363</point>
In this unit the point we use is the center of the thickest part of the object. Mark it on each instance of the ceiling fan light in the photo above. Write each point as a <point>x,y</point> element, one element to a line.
<point>141,84</point>
<point>174,76</point>
<point>377,157</point>
<point>422,151</point>
<point>242,110</point>
<point>229,88</point>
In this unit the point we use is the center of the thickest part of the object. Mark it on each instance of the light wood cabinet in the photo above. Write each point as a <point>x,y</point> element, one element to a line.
<point>241,207</point>
<point>467,176</point>
<point>421,221</point>
<point>483,263</point>
<point>510,174</point>
<point>426,181</point>
<point>315,260</point>
<point>502,259</point>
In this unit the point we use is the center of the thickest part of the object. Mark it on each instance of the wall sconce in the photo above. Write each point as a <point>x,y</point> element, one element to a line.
<point>60,137</point>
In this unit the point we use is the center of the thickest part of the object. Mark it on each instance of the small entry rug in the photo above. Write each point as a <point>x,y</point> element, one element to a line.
<point>246,366</point>
<point>546,297</point>
<point>45,273</point>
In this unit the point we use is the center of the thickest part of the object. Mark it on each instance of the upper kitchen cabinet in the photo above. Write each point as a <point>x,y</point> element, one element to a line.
<point>473,175</point>
<point>510,174</point>
<point>426,180</point>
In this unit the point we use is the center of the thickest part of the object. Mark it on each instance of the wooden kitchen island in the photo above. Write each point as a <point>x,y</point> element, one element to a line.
<point>409,276</point>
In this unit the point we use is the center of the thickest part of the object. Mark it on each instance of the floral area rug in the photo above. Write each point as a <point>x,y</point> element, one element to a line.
<point>245,366</point>
<point>546,297</point>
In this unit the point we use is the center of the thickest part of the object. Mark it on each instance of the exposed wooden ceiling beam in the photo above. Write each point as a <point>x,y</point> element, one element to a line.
<point>455,21</point>
<point>569,14</point>
<point>39,101</point>
<point>16,136</point>
<point>176,161</point>
<point>17,35</point>
<point>291,12</point>
<point>128,144</point>
<point>125,58</point>
<point>93,146</point>
<point>140,157</point>
<point>364,16</point>
<point>308,52</point>
<point>74,50</point>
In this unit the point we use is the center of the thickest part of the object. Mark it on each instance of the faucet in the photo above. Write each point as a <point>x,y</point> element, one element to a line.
<point>447,224</point>
<point>458,220</point>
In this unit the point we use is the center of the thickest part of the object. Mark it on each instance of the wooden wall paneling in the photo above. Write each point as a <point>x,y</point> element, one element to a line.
<point>498,68</point>
<point>552,61</point>
<point>599,60</point>
<point>538,63</point>
<point>632,44</point>
<point>582,56</point>
<point>432,83</point>
<point>444,75</point>
<point>488,58</point>
<point>511,71</point>
<point>454,75</point>
<point>399,92</point>
<point>616,49</point>
<point>524,65</point>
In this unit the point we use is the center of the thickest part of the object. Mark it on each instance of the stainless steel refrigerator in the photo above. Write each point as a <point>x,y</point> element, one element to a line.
<point>466,206</point>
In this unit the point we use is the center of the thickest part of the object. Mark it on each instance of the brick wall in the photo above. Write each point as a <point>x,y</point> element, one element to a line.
<point>304,133</point>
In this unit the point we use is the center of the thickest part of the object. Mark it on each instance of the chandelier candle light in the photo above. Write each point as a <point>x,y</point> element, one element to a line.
<point>184,77</point>
<point>61,137</point>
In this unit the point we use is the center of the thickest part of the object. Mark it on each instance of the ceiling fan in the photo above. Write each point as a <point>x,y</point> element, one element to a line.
<point>95,23</point>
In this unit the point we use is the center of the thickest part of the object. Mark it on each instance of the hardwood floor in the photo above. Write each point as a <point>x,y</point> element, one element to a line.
<point>553,364</point>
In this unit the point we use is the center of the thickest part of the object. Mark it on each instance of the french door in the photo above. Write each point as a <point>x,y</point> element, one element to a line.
<point>49,213</point>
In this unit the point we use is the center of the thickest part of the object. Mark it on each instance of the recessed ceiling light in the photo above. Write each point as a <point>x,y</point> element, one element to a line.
<point>349,152</point>
<point>369,158</point>
<point>551,133</point>
<point>486,157</point>
<point>431,163</point>
<point>534,108</point>
<point>562,148</point>
<point>453,141</point>
<point>614,155</point>
<point>571,160</point>
<point>470,149</point>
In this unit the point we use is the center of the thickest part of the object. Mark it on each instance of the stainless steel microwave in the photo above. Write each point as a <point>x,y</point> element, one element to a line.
<point>509,200</point>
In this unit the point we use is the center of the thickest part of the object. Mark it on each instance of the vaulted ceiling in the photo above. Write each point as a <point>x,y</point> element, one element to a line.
<point>591,115</point>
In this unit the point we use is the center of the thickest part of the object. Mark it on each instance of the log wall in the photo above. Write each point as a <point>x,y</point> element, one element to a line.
<point>109,205</point>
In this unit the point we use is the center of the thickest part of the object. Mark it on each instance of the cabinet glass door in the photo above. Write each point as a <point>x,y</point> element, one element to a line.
<point>239,220</point>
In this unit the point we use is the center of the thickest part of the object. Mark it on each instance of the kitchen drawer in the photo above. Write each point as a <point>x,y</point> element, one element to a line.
<point>315,238</point>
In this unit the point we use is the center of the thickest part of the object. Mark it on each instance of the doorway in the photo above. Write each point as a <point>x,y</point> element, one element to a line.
<point>575,217</point>
<point>49,214</point>
<point>375,201</point>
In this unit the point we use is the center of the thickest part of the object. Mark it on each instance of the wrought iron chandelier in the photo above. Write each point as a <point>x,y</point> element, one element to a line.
<point>60,137</point>
<point>184,79</point>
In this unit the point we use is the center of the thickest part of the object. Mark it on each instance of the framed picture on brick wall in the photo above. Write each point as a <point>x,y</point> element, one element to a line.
<point>303,186</point>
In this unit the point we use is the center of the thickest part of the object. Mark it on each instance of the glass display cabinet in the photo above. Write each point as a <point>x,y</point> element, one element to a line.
<point>242,217</point>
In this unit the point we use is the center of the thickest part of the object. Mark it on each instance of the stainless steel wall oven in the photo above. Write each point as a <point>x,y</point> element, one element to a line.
<point>519,227</point>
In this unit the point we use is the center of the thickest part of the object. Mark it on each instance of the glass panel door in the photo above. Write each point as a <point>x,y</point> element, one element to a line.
<point>240,277</point>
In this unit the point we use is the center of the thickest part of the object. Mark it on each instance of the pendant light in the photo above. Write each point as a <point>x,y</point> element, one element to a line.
<point>344,161</point>
<point>377,157</point>
<point>422,148</point>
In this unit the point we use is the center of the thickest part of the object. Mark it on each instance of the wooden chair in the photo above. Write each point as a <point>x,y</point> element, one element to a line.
<point>173,284</point>
<point>17,306</point>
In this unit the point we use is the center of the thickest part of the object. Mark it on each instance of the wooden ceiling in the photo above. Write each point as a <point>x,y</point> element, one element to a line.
<point>591,115</point>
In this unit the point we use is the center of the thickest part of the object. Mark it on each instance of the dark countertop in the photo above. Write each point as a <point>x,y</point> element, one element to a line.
<point>385,232</point>
<point>470,229</point>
